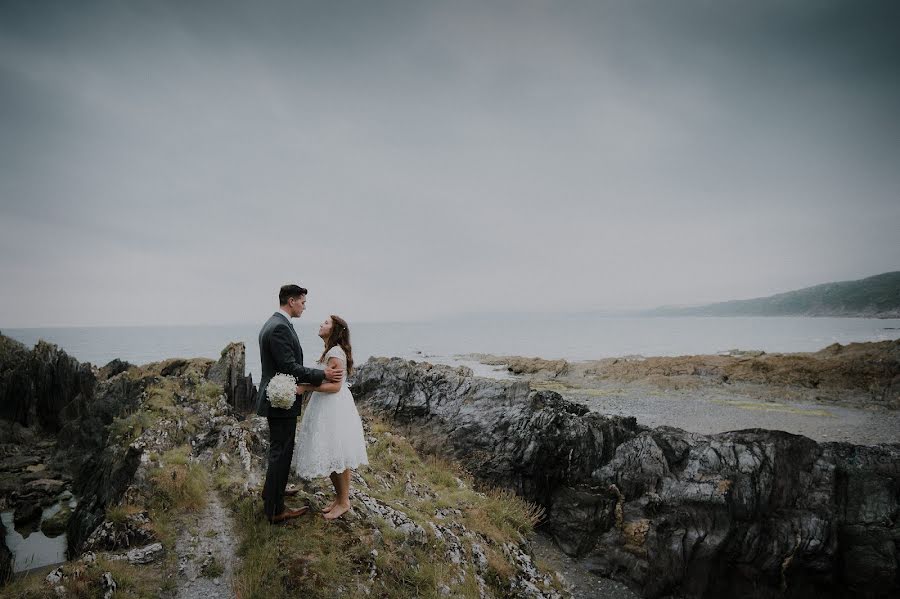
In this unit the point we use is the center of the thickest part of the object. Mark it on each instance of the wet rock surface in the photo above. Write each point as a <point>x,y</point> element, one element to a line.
<point>29,484</point>
<point>56,524</point>
<point>746,513</point>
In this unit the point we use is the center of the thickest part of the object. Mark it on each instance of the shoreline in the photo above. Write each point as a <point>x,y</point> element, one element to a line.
<point>840,393</point>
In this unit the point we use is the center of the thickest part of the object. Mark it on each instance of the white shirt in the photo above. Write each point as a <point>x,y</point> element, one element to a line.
<point>286,315</point>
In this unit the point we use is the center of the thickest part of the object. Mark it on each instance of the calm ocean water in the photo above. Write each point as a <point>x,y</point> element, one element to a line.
<point>570,337</point>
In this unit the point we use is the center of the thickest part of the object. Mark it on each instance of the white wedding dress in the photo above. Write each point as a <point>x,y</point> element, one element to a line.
<point>330,436</point>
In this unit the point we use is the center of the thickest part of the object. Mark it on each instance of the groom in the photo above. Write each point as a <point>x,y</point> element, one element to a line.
<point>280,352</point>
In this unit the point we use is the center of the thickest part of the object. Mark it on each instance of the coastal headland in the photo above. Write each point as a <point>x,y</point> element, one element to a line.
<point>477,487</point>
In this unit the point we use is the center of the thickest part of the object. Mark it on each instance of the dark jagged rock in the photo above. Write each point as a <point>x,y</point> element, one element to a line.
<point>101,482</point>
<point>87,419</point>
<point>229,372</point>
<point>111,467</point>
<point>27,511</point>
<point>753,513</point>
<point>133,531</point>
<point>17,403</point>
<point>104,470</point>
<point>37,385</point>
<point>6,557</point>
<point>46,387</point>
<point>174,367</point>
<point>114,367</point>
<point>58,379</point>
<point>68,401</point>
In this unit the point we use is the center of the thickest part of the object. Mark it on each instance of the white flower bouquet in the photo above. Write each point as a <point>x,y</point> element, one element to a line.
<point>282,391</point>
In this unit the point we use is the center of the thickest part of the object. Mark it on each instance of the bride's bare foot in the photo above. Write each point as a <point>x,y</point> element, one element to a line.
<point>329,507</point>
<point>338,510</point>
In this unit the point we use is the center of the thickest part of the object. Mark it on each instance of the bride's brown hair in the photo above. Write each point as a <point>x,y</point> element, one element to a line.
<point>339,335</point>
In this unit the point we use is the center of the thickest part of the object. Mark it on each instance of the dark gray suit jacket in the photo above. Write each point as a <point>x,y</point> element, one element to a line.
<point>280,352</point>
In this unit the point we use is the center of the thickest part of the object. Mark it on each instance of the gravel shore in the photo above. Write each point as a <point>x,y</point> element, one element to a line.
<point>735,407</point>
<point>841,393</point>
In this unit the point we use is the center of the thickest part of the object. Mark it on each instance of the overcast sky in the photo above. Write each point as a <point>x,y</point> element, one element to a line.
<point>176,162</point>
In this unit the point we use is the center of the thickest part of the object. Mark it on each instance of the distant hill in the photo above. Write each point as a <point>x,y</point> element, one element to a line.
<point>873,297</point>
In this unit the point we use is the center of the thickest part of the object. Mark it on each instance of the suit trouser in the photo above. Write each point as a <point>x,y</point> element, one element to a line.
<point>281,450</point>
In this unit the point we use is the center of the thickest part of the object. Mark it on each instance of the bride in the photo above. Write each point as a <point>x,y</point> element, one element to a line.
<point>330,438</point>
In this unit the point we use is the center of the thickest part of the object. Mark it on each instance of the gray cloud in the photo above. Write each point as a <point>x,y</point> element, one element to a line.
<point>173,163</point>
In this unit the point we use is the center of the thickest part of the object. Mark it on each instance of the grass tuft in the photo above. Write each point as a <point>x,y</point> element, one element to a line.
<point>179,483</point>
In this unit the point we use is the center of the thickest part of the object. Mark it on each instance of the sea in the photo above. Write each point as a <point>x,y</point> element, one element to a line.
<point>454,341</point>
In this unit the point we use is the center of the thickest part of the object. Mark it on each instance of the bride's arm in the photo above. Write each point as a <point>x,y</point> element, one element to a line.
<point>325,387</point>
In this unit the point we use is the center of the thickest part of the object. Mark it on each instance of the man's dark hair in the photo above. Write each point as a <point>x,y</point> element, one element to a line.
<point>288,291</point>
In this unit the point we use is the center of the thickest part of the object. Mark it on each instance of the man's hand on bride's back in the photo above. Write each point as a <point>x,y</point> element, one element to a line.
<point>333,374</point>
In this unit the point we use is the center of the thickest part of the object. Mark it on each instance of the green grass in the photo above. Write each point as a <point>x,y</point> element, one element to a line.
<point>208,392</point>
<point>498,514</point>
<point>213,568</point>
<point>118,514</point>
<point>83,581</point>
<point>126,430</point>
<point>311,557</point>
<point>180,484</point>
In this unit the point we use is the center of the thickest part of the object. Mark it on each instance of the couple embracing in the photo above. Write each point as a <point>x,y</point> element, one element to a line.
<point>329,441</point>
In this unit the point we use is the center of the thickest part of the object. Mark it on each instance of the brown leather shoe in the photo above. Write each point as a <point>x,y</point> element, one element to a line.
<point>288,514</point>
<point>287,493</point>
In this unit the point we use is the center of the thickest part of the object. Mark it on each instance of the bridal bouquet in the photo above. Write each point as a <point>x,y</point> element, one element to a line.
<point>282,391</point>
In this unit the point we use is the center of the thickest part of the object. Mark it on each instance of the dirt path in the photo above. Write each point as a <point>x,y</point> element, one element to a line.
<point>205,551</point>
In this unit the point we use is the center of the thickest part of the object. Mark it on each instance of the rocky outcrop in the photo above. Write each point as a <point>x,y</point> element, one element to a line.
<point>747,513</point>
<point>46,387</point>
<point>114,367</point>
<point>87,419</point>
<point>166,409</point>
<point>6,557</point>
<point>16,391</point>
<point>102,481</point>
<point>36,386</point>
<point>229,372</point>
<point>58,379</point>
<point>97,418</point>
<point>145,434</point>
<point>522,365</point>
<point>132,531</point>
